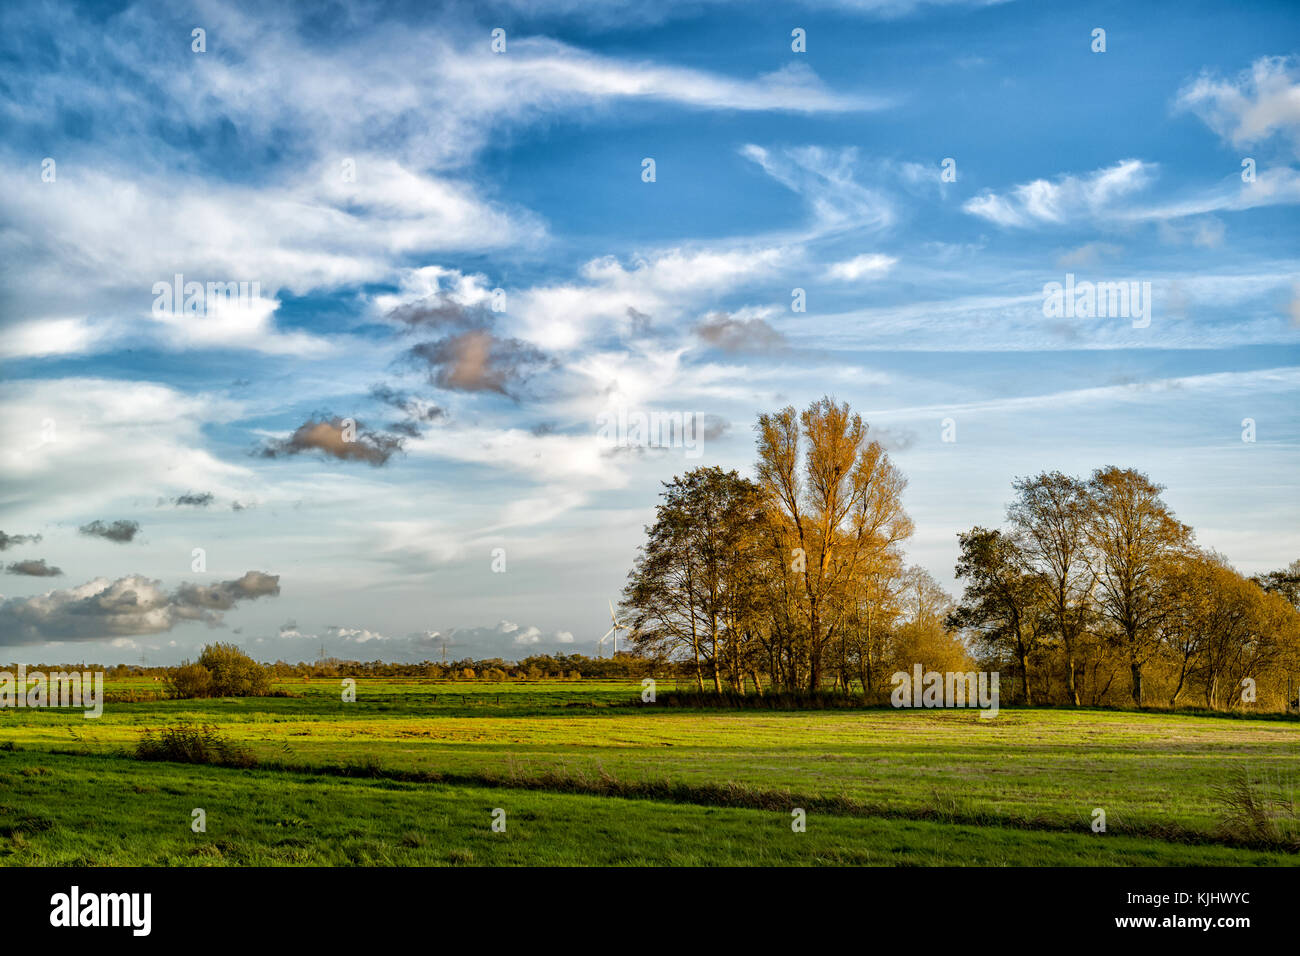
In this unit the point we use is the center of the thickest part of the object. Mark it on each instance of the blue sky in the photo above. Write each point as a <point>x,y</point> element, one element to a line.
<point>378,170</point>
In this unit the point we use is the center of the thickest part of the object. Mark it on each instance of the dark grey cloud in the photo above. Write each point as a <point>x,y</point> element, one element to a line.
<point>329,437</point>
<point>130,606</point>
<point>640,322</point>
<point>407,429</point>
<point>417,409</point>
<point>119,531</point>
<point>437,312</point>
<point>35,568</point>
<point>730,334</point>
<point>713,427</point>
<point>479,361</point>
<point>8,541</point>
<point>226,594</point>
<point>194,499</point>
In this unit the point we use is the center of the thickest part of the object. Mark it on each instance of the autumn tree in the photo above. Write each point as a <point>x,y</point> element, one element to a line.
<point>837,499</point>
<point>1049,515</point>
<point>690,587</point>
<point>1132,535</point>
<point>1000,601</point>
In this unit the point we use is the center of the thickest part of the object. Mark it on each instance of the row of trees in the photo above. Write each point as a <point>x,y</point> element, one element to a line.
<point>1091,578</point>
<point>534,667</point>
<point>797,580</point>
<point>223,670</point>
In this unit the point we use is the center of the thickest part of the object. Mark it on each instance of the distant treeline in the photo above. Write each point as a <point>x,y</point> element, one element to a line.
<point>1093,593</point>
<point>537,667</point>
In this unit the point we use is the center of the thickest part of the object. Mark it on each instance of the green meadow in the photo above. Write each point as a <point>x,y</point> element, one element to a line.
<point>411,772</point>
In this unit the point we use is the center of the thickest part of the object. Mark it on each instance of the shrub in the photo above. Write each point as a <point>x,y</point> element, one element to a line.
<point>185,743</point>
<point>190,680</point>
<point>494,673</point>
<point>234,673</point>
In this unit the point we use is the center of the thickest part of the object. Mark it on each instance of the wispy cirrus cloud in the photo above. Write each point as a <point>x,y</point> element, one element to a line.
<point>1067,199</point>
<point>827,180</point>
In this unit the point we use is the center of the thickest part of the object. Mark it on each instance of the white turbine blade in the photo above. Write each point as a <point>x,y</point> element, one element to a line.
<point>607,633</point>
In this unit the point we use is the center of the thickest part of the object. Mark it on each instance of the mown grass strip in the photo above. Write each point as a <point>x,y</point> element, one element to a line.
<point>946,809</point>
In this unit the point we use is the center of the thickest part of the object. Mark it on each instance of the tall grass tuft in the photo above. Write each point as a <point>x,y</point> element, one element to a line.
<point>1259,811</point>
<point>186,743</point>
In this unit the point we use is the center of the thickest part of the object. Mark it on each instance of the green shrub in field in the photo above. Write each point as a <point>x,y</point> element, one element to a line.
<point>185,743</point>
<point>234,673</point>
<point>222,670</point>
<point>190,680</point>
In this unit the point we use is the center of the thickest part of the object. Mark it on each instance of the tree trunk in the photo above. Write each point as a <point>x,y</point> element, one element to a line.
<point>1024,675</point>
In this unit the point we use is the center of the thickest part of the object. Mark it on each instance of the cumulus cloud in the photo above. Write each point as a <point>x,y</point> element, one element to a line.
<point>129,606</point>
<point>724,331</point>
<point>1250,108</point>
<point>353,635</point>
<point>36,568</point>
<point>441,312</point>
<point>226,594</point>
<point>335,438</point>
<point>507,640</point>
<point>479,361</point>
<point>8,541</point>
<point>120,531</point>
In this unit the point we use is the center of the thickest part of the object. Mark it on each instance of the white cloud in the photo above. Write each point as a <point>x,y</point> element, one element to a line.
<point>301,234</point>
<point>664,285</point>
<point>53,336</point>
<point>826,179</point>
<point>1068,199</point>
<point>1249,109</point>
<point>134,438</point>
<point>871,265</point>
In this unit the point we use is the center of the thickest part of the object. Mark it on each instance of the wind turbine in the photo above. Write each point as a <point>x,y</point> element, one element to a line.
<point>613,630</point>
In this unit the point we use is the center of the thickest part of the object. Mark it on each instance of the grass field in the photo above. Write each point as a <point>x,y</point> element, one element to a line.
<point>410,772</point>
